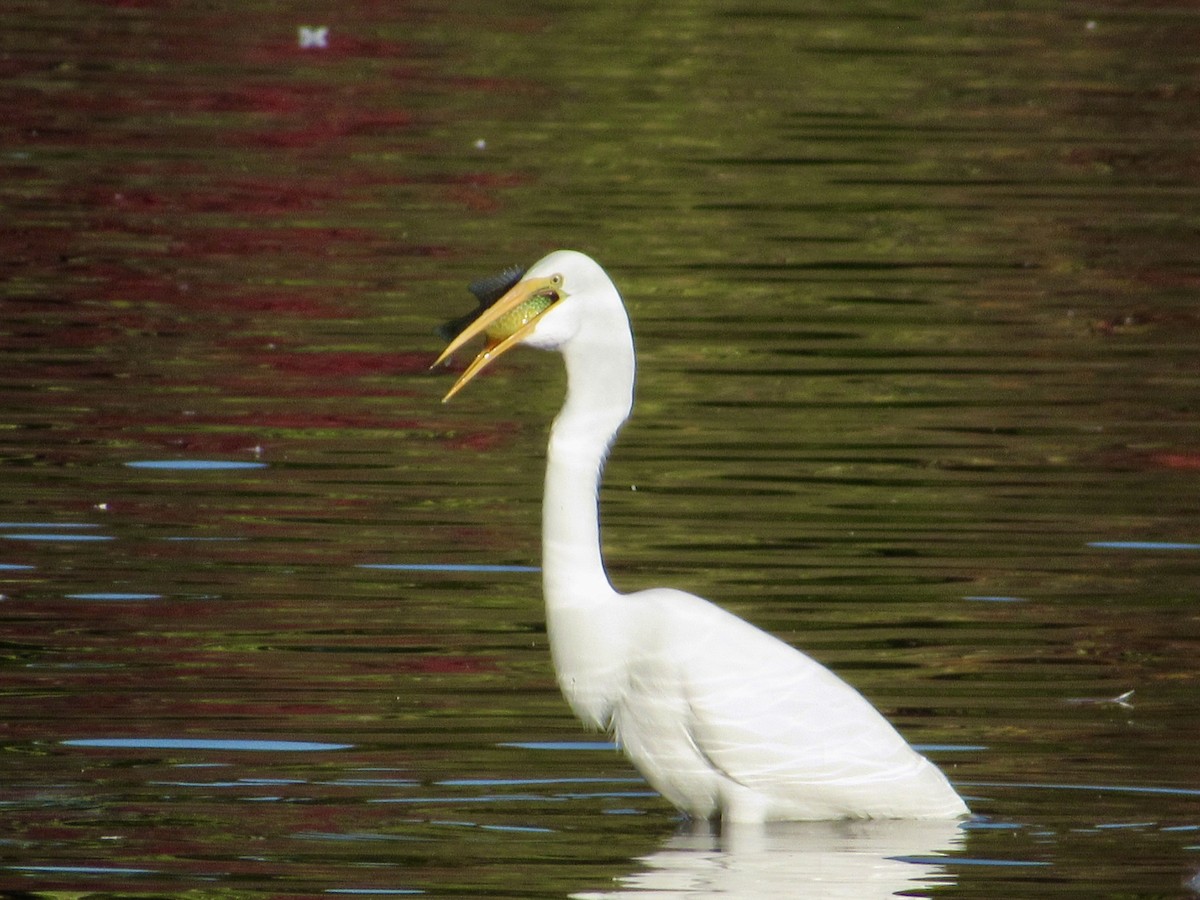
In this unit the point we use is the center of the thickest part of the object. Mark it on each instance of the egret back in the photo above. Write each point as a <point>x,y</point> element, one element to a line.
<point>720,716</point>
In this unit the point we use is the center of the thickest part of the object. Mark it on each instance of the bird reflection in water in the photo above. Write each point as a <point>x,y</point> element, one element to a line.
<point>847,860</point>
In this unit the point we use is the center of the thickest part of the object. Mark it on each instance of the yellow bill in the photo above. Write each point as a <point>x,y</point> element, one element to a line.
<point>505,324</point>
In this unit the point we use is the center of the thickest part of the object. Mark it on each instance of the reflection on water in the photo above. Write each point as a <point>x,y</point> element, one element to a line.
<point>113,595</point>
<point>822,861</point>
<point>200,744</point>
<point>915,298</point>
<point>213,465</point>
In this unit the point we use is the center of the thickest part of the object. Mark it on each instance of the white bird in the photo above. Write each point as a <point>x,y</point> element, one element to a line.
<point>719,717</point>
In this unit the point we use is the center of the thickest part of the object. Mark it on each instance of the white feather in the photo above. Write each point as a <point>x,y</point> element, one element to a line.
<point>720,717</point>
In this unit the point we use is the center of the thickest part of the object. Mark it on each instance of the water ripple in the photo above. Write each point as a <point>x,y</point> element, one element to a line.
<point>203,744</point>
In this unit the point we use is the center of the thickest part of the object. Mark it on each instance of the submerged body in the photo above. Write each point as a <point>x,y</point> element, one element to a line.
<point>720,717</point>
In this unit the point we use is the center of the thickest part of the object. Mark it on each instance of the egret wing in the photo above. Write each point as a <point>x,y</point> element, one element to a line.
<point>778,723</point>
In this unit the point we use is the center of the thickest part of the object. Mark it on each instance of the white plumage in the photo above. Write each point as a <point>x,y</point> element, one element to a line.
<point>718,716</point>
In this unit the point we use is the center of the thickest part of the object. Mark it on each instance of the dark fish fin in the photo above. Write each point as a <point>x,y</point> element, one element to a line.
<point>448,331</point>
<point>487,291</point>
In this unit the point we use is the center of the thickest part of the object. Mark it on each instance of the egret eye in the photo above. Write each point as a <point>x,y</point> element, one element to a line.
<point>522,315</point>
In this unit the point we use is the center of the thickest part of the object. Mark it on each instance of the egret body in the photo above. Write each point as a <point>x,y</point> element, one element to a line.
<point>719,717</point>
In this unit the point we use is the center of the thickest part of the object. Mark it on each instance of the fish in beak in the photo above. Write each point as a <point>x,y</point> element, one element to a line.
<point>509,308</point>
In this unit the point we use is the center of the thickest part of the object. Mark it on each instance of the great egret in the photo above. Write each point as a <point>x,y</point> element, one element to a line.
<point>719,717</point>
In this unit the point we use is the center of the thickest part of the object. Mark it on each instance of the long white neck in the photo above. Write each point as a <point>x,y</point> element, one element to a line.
<point>586,636</point>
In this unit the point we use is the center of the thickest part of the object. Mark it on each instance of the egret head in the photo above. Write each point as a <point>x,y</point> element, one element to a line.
<point>523,307</point>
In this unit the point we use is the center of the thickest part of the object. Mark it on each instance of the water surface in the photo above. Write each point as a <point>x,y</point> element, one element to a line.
<point>914,294</point>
